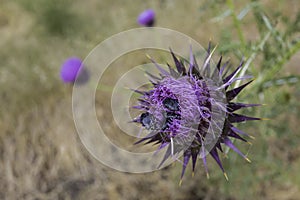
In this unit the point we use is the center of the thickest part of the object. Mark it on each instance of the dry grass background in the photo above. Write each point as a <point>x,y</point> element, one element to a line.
<point>41,156</point>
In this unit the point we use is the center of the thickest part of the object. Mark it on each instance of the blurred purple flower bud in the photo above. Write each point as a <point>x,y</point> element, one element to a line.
<point>146,18</point>
<point>70,69</point>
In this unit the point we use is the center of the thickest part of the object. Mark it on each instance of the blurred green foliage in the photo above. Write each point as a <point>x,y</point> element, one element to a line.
<point>56,16</point>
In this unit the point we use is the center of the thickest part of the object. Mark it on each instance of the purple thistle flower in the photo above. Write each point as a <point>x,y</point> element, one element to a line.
<point>147,18</point>
<point>71,68</point>
<point>183,106</point>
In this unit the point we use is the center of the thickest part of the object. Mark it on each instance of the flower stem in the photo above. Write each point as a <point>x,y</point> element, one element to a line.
<point>236,23</point>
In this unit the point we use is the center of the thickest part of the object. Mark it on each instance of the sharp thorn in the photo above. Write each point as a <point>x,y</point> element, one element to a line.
<point>226,176</point>
<point>248,160</point>
<point>180,183</point>
<point>207,175</point>
<point>252,137</point>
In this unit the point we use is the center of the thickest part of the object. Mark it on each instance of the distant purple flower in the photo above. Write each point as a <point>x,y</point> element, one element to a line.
<point>183,107</point>
<point>147,18</point>
<point>70,69</point>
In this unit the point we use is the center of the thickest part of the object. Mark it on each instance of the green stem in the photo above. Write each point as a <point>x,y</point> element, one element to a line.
<point>279,64</point>
<point>259,47</point>
<point>236,23</point>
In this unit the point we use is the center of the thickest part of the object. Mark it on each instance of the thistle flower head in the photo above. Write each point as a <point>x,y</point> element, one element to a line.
<point>189,110</point>
<point>146,18</point>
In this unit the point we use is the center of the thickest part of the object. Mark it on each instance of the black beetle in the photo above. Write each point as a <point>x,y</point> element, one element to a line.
<point>171,104</point>
<point>146,120</point>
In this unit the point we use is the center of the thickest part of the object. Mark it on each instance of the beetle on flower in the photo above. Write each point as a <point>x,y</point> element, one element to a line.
<point>189,110</point>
